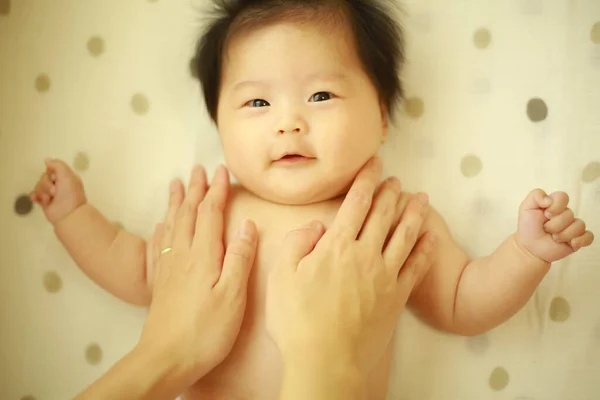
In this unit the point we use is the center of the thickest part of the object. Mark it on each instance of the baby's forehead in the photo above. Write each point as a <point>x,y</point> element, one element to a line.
<point>267,45</point>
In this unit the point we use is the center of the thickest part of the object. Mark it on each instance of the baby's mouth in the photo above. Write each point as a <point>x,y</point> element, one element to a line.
<point>290,159</point>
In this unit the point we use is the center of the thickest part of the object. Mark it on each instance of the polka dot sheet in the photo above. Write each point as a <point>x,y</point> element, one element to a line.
<point>502,97</point>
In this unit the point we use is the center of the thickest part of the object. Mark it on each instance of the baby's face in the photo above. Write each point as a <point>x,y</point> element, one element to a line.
<point>298,117</point>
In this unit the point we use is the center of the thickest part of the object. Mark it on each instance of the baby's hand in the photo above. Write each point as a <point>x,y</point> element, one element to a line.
<point>59,191</point>
<point>548,228</point>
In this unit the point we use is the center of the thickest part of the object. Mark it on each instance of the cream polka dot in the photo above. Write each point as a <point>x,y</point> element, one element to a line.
<point>595,33</point>
<point>471,166</point>
<point>140,104</point>
<point>4,7</point>
<point>591,172</point>
<point>482,38</point>
<point>414,107</point>
<point>560,310</point>
<point>42,83</point>
<point>498,379</point>
<point>532,7</point>
<point>23,205</point>
<point>482,206</point>
<point>81,162</point>
<point>93,354</point>
<point>52,282</point>
<point>537,110</point>
<point>95,46</point>
<point>478,344</point>
<point>482,86</point>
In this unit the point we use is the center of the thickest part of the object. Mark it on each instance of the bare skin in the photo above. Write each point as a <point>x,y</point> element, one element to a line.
<point>457,295</point>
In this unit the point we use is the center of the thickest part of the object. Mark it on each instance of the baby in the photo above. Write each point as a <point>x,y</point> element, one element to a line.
<point>301,92</point>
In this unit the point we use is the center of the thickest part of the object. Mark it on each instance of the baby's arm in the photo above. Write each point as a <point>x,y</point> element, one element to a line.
<point>469,297</point>
<point>112,258</point>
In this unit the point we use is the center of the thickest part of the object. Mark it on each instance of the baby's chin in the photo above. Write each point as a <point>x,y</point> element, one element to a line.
<point>293,193</point>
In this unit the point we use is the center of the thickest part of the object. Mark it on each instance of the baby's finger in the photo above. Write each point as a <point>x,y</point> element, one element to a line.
<point>176,194</point>
<point>582,241</point>
<point>58,168</point>
<point>576,229</point>
<point>560,222</point>
<point>535,200</point>
<point>47,185</point>
<point>560,201</point>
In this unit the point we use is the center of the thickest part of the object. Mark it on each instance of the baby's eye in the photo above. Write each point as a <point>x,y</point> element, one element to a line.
<point>257,103</point>
<point>321,96</point>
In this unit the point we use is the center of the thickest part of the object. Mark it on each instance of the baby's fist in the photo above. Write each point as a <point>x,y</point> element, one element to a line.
<point>59,191</point>
<point>548,228</point>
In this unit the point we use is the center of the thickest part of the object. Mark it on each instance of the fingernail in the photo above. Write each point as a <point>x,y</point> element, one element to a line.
<point>548,214</point>
<point>548,201</point>
<point>315,225</point>
<point>423,199</point>
<point>173,186</point>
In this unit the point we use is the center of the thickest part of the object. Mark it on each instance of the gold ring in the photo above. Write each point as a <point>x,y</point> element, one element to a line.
<point>165,251</point>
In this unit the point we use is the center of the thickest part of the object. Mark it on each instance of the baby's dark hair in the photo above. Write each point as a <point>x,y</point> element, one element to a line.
<point>378,39</point>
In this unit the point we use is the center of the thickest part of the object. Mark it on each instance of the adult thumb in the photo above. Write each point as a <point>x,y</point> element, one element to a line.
<point>299,243</point>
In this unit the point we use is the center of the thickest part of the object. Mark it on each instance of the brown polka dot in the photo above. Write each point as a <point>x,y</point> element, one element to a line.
<point>93,354</point>
<point>118,225</point>
<point>471,166</point>
<point>52,282</point>
<point>498,379</point>
<point>4,7</point>
<point>81,162</point>
<point>42,83</point>
<point>537,110</point>
<point>595,33</point>
<point>414,107</point>
<point>140,104</point>
<point>478,344</point>
<point>482,38</point>
<point>591,172</point>
<point>560,310</point>
<point>23,205</point>
<point>95,46</point>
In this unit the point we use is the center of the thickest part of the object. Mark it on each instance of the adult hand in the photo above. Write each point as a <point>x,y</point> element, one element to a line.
<point>198,297</point>
<point>198,289</point>
<point>334,297</point>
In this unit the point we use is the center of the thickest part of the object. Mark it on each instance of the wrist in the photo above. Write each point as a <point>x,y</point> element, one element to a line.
<point>165,374</point>
<point>70,214</point>
<point>527,255</point>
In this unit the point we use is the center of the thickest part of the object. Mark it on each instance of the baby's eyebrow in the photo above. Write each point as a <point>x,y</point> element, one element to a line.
<point>318,76</point>
<point>244,84</point>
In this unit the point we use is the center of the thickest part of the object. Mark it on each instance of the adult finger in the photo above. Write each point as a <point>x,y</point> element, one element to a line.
<point>407,232</point>
<point>351,215</point>
<point>185,219</point>
<point>153,253</point>
<point>208,239</point>
<point>381,216</point>
<point>298,244</point>
<point>239,259</point>
<point>417,265</point>
<point>176,193</point>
